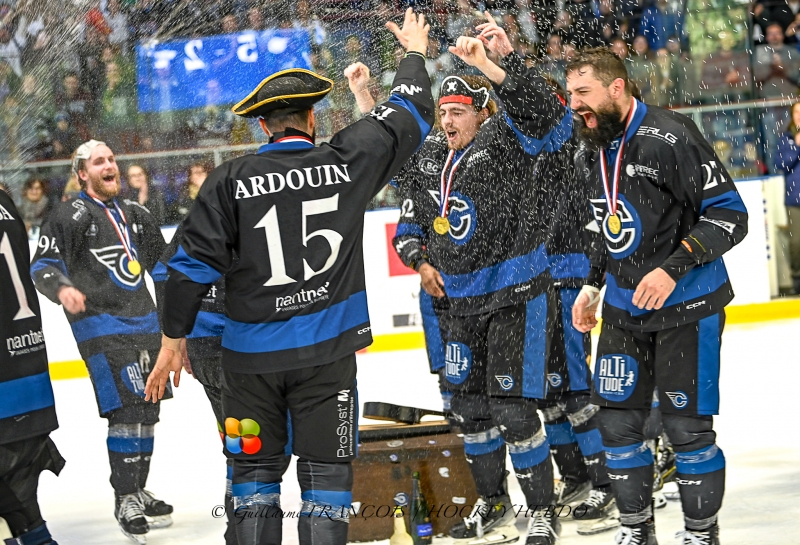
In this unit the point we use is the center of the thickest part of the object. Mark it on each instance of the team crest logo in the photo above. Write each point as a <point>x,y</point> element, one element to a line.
<point>462,215</point>
<point>429,166</point>
<point>458,361</point>
<point>624,242</point>
<point>131,376</point>
<point>115,260</point>
<point>506,382</point>
<point>679,399</point>
<point>615,376</point>
<point>554,379</point>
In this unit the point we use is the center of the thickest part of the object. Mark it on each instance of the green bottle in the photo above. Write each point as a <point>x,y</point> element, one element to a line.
<point>421,527</point>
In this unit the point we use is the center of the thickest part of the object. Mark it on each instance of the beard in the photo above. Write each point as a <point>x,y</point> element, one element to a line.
<point>609,126</point>
<point>99,188</point>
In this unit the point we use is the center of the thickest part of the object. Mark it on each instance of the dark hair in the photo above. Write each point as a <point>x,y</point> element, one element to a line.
<point>605,65</point>
<point>197,164</point>
<point>29,184</point>
<point>278,120</point>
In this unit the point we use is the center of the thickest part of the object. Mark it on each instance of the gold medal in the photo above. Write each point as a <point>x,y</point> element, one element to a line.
<point>441,225</point>
<point>134,267</point>
<point>614,225</point>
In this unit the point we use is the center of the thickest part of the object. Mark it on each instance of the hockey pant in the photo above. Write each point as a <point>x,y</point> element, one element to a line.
<point>700,464</point>
<point>575,440</point>
<point>21,463</point>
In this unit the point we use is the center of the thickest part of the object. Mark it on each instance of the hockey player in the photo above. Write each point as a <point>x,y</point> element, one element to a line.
<point>296,309</point>
<point>27,407</point>
<point>461,231</point>
<point>668,210</point>
<point>91,259</point>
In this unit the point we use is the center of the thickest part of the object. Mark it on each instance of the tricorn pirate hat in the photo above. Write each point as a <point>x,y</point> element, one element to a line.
<point>289,91</point>
<point>455,89</point>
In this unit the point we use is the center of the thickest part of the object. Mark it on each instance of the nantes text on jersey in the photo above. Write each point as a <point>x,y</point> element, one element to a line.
<point>293,215</point>
<point>80,247</point>
<point>677,209</point>
<point>27,406</point>
<point>489,258</point>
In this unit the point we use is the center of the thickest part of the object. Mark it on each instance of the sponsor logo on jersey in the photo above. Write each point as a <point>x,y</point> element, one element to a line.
<point>302,298</point>
<point>211,296</point>
<point>428,166</point>
<point>655,132</point>
<point>624,243</point>
<point>554,379</point>
<point>295,179</point>
<point>616,376</point>
<point>726,225</point>
<point>32,341</point>
<point>632,169</point>
<point>457,361</point>
<point>506,382</point>
<point>478,156</point>
<point>80,208</point>
<point>91,231</point>
<point>407,89</point>
<point>115,260</point>
<point>695,305</point>
<point>678,398</point>
<point>132,378</point>
<point>345,431</point>
<point>242,436</point>
<point>381,112</point>
<point>462,215</point>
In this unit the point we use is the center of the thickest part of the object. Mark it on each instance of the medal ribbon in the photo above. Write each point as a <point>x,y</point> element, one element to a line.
<point>446,185</point>
<point>611,198</point>
<point>123,234</point>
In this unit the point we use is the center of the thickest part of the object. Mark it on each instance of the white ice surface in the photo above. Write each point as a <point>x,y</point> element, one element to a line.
<point>757,430</point>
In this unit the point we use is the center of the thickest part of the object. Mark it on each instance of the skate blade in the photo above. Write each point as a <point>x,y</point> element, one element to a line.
<point>162,521</point>
<point>141,539</point>
<point>598,526</point>
<point>506,534</point>
<point>659,501</point>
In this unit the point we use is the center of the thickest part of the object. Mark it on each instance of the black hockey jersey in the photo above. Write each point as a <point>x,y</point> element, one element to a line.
<point>27,406</point>
<point>205,340</point>
<point>294,215</point>
<point>490,258</point>
<point>679,209</point>
<point>80,247</point>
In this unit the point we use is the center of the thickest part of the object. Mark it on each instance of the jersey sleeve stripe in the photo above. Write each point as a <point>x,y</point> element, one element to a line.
<point>299,331</point>
<point>729,200</point>
<point>194,269</point>
<point>424,126</point>
<point>551,142</point>
<point>159,273</point>
<point>207,324</point>
<point>409,229</point>
<point>25,395</point>
<point>44,262</point>
<point>508,273</point>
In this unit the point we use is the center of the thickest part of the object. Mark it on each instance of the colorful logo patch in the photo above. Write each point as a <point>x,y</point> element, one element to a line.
<point>242,436</point>
<point>458,361</point>
<point>132,378</point>
<point>615,376</point>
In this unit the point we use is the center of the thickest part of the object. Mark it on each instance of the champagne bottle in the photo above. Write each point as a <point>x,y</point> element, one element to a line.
<point>400,536</point>
<point>421,527</point>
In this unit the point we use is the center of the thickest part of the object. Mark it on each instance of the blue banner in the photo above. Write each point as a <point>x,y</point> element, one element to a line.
<point>214,70</point>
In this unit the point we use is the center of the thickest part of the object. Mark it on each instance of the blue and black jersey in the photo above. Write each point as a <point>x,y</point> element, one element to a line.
<point>27,406</point>
<point>80,247</point>
<point>292,216</point>
<point>678,209</point>
<point>494,254</point>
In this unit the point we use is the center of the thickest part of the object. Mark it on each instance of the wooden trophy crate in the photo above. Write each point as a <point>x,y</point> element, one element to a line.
<point>387,456</point>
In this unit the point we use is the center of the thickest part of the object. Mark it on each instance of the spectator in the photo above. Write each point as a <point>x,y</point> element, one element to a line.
<point>118,111</point>
<point>553,61</point>
<point>118,24</point>
<point>72,189</point>
<point>12,44</point>
<point>439,65</point>
<point>34,205</point>
<point>659,22</point>
<point>308,21</point>
<point>787,162</point>
<point>196,176</point>
<point>140,189</point>
<point>782,12</point>
<point>34,138</point>
<point>255,20</point>
<point>607,21</point>
<point>65,137</point>
<point>585,25</point>
<point>212,124</point>
<point>620,48</point>
<point>643,71</point>
<point>73,99</point>
<point>725,76</point>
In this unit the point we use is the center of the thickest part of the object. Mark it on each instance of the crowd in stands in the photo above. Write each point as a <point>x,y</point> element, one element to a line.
<point>68,69</point>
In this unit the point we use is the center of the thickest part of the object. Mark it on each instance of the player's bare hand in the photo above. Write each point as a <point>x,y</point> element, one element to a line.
<point>494,37</point>
<point>414,34</point>
<point>72,299</point>
<point>357,75</point>
<point>470,50</point>
<point>169,360</point>
<point>584,310</point>
<point>187,364</point>
<point>432,281</point>
<point>653,290</point>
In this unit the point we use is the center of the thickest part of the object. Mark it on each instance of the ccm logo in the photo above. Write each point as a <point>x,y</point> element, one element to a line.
<point>614,477</point>
<point>695,305</point>
<point>685,482</point>
<point>522,288</point>
<point>365,330</point>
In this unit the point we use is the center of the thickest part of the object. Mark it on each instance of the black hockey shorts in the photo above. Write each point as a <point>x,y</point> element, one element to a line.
<point>683,362</point>
<point>119,377</point>
<point>322,402</point>
<point>502,353</point>
<point>570,350</point>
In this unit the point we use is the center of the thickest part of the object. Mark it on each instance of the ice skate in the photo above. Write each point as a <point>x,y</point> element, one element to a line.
<point>659,501</point>
<point>130,515</point>
<point>543,528</point>
<point>639,534</point>
<point>569,492</point>
<point>597,514</point>
<point>157,512</point>
<point>709,536</point>
<point>490,522</point>
<point>665,465</point>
